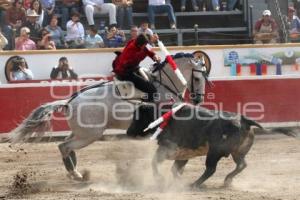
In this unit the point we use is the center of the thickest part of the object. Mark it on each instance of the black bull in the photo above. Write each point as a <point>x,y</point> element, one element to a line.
<point>196,131</point>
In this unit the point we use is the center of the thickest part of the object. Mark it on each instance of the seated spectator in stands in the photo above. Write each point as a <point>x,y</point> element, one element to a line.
<point>3,41</point>
<point>20,71</point>
<point>124,11</point>
<point>26,4</point>
<point>67,8</point>
<point>37,7</point>
<point>93,39</point>
<point>134,32</point>
<point>160,6</point>
<point>63,70</point>
<point>144,28</point>
<point>32,24</point>
<point>46,42</point>
<point>195,4</point>
<point>4,5</point>
<point>293,22</point>
<point>56,33</point>
<point>265,30</point>
<point>75,32</point>
<point>115,37</point>
<point>24,42</point>
<point>14,18</point>
<point>98,6</point>
<point>230,5</point>
<point>49,10</point>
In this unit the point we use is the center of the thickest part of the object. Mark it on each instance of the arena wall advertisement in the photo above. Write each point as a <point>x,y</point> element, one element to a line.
<point>268,97</point>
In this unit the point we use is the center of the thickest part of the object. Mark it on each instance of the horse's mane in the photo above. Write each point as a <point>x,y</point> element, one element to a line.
<point>179,55</point>
<point>161,65</point>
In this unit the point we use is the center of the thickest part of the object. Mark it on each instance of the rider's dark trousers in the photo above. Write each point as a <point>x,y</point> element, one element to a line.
<point>140,84</point>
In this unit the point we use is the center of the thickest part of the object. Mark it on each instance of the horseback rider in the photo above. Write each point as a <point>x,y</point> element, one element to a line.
<point>127,63</point>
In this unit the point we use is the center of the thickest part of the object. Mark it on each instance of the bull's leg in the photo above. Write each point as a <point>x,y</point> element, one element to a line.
<point>178,167</point>
<point>159,157</point>
<point>212,160</point>
<point>240,166</point>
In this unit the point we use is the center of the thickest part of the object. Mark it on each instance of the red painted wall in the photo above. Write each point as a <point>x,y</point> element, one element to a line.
<point>280,99</point>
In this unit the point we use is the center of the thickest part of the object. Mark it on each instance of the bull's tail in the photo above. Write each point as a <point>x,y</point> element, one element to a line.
<point>37,123</point>
<point>248,122</point>
<point>286,131</point>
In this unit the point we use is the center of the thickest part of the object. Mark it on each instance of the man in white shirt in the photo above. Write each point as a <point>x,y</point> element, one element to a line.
<point>160,6</point>
<point>98,6</point>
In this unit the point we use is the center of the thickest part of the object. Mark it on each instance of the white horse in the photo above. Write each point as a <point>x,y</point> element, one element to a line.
<point>96,108</point>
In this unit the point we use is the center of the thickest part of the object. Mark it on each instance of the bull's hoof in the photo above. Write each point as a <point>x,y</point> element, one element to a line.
<point>227,183</point>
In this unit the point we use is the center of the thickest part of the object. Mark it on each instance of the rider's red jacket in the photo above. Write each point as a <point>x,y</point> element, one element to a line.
<point>131,57</point>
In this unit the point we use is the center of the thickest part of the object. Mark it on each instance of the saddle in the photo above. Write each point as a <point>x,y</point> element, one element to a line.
<point>126,91</point>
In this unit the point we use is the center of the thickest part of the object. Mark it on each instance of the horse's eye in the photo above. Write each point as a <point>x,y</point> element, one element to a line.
<point>197,79</point>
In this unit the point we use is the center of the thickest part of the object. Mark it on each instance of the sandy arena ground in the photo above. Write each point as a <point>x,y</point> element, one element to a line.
<point>121,170</point>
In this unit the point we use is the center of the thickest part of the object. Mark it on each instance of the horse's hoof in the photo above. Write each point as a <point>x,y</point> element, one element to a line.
<point>75,175</point>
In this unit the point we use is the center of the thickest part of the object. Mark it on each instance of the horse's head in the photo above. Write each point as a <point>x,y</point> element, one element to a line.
<point>195,69</point>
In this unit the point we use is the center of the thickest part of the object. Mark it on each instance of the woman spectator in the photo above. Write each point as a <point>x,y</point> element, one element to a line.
<point>56,33</point>
<point>124,10</point>
<point>115,37</point>
<point>15,17</point>
<point>24,42</point>
<point>75,32</point>
<point>93,39</point>
<point>20,70</point>
<point>265,30</point>
<point>63,70</point>
<point>37,7</point>
<point>46,42</point>
<point>3,41</point>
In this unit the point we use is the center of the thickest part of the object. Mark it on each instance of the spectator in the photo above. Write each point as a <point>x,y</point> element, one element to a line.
<point>56,33</point>
<point>293,22</point>
<point>115,37</point>
<point>67,8</point>
<point>98,6</point>
<point>144,28</point>
<point>195,4</point>
<point>124,10</point>
<point>20,70</point>
<point>3,41</point>
<point>93,39</point>
<point>46,42</point>
<point>63,70</point>
<point>160,6</point>
<point>134,32</point>
<point>265,30</point>
<point>4,5</point>
<point>37,7</point>
<point>231,4</point>
<point>32,24</point>
<point>15,17</point>
<point>26,4</point>
<point>24,42</point>
<point>75,32</point>
<point>49,10</point>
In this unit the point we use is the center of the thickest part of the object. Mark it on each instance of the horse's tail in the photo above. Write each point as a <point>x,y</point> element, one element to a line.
<point>37,123</point>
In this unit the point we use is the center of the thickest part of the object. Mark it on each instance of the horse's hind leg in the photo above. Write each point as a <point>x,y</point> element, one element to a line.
<point>69,157</point>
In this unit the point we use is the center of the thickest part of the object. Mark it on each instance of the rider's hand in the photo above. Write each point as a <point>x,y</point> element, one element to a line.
<point>156,58</point>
